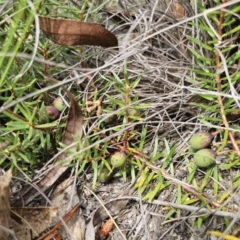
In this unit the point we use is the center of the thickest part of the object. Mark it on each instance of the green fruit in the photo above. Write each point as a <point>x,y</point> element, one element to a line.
<point>58,104</point>
<point>52,112</point>
<point>204,157</point>
<point>118,159</point>
<point>200,140</point>
<point>104,175</point>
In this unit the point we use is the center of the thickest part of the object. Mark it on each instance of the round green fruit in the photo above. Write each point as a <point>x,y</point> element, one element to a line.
<point>200,140</point>
<point>104,175</point>
<point>204,157</point>
<point>118,159</point>
<point>58,104</point>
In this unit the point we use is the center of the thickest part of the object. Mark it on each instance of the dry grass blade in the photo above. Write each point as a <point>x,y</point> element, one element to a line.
<point>29,222</point>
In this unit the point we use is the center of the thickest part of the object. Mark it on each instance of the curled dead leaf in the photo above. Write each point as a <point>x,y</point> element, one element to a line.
<point>68,32</point>
<point>29,222</point>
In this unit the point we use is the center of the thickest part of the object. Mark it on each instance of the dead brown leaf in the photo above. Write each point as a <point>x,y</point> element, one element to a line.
<point>68,32</point>
<point>56,228</point>
<point>5,180</point>
<point>65,197</point>
<point>30,222</point>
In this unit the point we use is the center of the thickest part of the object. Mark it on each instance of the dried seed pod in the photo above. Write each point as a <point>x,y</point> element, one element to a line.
<point>204,157</point>
<point>52,112</point>
<point>118,159</point>
<point>200,140</point>
<point>58,104</point>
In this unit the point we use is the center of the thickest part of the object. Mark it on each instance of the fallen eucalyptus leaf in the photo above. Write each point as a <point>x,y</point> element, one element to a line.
<point>69,32</point>
<point>29,222</point>
<point>64,198</point>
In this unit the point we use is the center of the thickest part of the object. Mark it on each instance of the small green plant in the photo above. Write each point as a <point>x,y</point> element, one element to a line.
<point>218,27</point>
<point>32,128</point>
<point>214,77</point>
<point>114,134</point>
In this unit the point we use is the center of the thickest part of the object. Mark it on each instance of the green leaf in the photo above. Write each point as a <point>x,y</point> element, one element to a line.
<point>136,82</point>
<point>200,43</point>
<point>95,173</point>
<point>231,31</point>
<point>14,126</point>
<point>190,201</point>
<point>200,57</point>
<point>228,22</point>
<point>156,157</point>
<point>14,159</point>
<point>210,119</point>
<point>210,99</point>
<point>170,154</point>
<point>200,6</point>
<point>144,180</point>
<point>232,59</point>
<point>46,125</point>
<point>205,72</point>
<point>192,170</point>
<point>170,213</point>
<point>143,139</point>
<point>24,109</point>
<point>206,29</point>
<point>25,158</point>
<point>20,10</point>
<point>117,79</point>
<point>159,187</point>
<point>206,178</point>
<point>205,106</point>
<point>236,180</point>
<point>179,200</point>
<point>115,101</point>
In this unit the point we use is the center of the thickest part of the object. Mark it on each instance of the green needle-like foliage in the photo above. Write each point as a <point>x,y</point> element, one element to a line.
<point>216,55</point>
<point>215,58</point>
